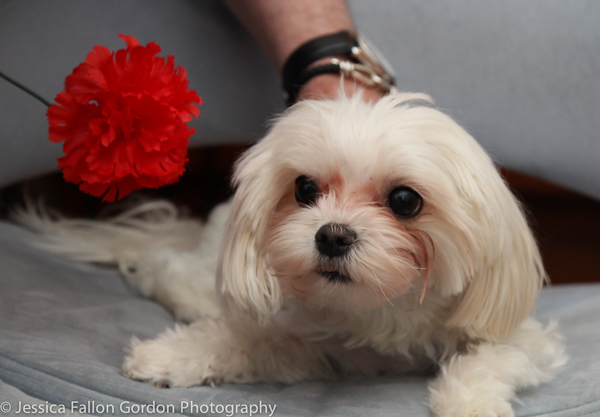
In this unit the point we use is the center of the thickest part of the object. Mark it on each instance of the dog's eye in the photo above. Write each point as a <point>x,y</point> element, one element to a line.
<point>405,202</point>
<point>306,190</point>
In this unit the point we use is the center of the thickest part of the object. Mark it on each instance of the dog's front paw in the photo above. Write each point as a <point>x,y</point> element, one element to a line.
<point>167,362</point>
<point>453,399</point>
<point>473,408</point>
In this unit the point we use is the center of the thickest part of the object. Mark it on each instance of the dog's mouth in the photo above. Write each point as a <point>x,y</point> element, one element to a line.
<point>334,276</point>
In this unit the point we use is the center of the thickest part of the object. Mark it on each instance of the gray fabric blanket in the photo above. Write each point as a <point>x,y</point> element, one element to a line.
<point>64,326</point>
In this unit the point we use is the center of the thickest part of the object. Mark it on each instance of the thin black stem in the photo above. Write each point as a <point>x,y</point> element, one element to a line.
<point>27,90</point>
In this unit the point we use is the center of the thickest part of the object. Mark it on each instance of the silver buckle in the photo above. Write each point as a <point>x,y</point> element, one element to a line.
<point>368,55</point>
<point>368,75</point>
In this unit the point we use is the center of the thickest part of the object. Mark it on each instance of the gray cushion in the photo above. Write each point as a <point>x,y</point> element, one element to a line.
<point>13,400</point>
<point>523,76</point>
<point>63,326</point>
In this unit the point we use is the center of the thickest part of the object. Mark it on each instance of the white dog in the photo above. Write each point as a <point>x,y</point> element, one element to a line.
<point>362,238</point>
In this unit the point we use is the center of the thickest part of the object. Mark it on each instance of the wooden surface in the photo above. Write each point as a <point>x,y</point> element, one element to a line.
<point>567,224</point>
<point>567,227</point>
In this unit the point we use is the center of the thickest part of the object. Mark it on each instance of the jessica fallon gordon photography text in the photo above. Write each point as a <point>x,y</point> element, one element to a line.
<point>127,407</point>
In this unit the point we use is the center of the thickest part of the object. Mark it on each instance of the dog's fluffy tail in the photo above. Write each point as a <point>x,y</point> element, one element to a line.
<point>169,258</point>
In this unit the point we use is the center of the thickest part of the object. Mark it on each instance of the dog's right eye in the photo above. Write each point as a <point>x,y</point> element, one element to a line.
<point>306,190</point>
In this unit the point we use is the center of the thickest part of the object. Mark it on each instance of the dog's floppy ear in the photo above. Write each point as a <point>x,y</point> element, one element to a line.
<point>507,268</point>
<point>484,253</point>
<point>243,278</point>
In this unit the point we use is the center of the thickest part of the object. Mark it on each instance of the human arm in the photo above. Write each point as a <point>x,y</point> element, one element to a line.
<point>282,26</point>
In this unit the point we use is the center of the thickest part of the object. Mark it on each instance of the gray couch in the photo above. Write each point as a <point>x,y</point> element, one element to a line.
<point>522,76</point>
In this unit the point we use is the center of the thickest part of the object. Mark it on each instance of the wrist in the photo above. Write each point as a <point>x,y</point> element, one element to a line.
<point>337,63</point>
<point>329,86</point>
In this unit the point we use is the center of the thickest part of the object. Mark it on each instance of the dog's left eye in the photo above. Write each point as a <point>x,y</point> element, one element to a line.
<point>306,190</point>
<point>405,202</point>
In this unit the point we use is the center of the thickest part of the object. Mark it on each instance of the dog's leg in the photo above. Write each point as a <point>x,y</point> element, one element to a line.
<point>211,351</point>
<point>483,381</point>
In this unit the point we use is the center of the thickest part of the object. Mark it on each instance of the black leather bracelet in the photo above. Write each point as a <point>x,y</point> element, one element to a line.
<point>294,76</point>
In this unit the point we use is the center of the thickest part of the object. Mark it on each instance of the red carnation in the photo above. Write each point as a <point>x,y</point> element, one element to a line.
<point>123,117</point>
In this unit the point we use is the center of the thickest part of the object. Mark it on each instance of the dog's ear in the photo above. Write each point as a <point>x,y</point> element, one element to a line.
<point>243,278</point>
<point>507,270</point>
<point>484,252</point>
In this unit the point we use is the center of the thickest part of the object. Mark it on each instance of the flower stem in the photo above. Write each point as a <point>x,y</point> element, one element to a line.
<point>27,90</point>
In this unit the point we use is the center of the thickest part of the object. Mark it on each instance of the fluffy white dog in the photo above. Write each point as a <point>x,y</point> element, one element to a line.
<point>362,238</point>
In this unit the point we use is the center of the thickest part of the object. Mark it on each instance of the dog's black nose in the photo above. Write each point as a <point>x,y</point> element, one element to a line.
<point>334,240</point>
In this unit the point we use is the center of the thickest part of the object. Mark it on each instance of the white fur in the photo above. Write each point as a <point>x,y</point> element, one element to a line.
<point>455,286</point>
<point>169,259</point>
